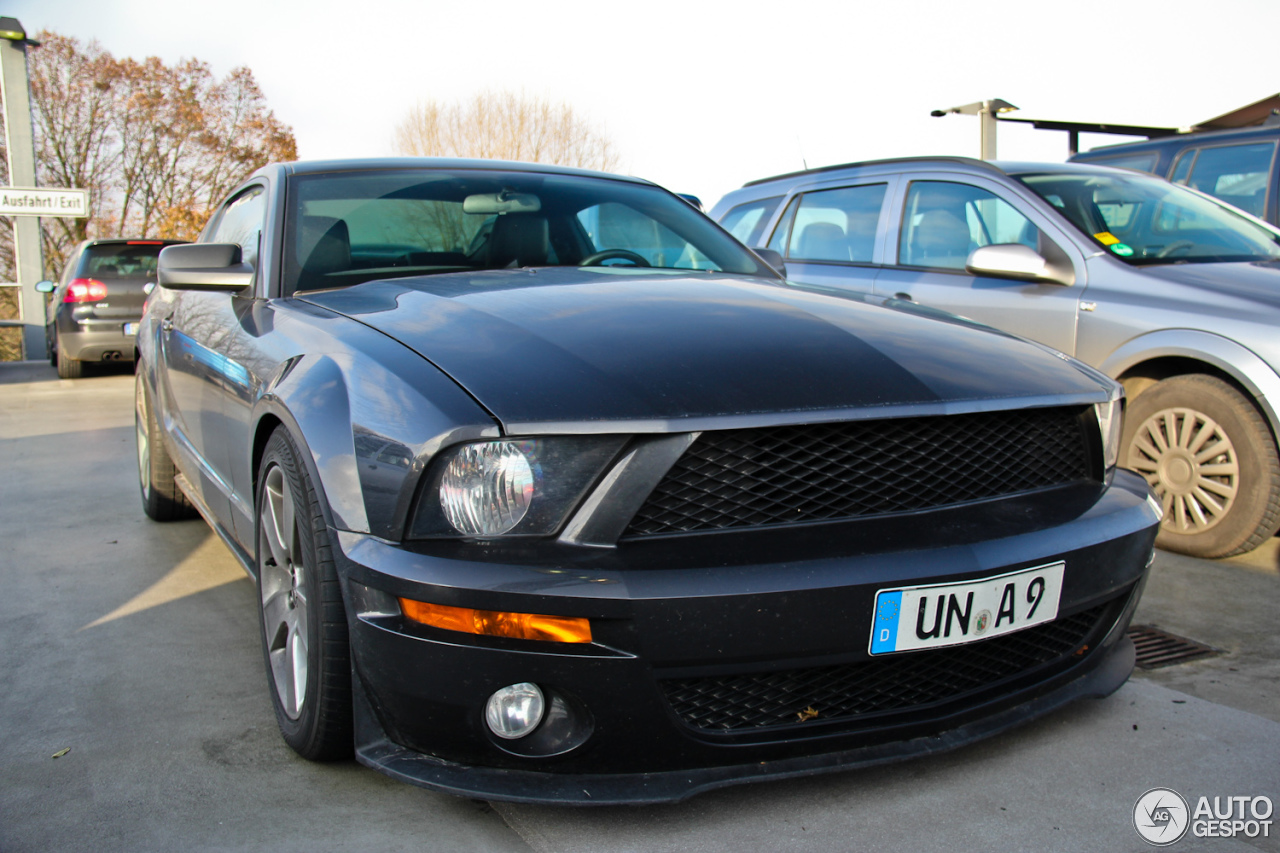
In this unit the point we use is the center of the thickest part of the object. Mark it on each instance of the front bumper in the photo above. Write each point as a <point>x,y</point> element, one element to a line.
<point>420,692</point>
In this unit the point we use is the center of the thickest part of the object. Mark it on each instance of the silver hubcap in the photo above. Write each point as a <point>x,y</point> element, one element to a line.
<point>144,442</point>
<point>284,600</point>
<point>1191,464</point>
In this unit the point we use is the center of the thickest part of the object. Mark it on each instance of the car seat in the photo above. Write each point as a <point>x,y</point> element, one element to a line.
<point>323,247</point>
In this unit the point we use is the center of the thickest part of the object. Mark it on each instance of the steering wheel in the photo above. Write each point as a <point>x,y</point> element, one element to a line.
<point>1175,246</point>
<point>608,254</point>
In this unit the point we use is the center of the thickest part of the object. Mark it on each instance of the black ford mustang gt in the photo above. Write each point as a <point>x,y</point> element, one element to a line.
<point>554,492</point>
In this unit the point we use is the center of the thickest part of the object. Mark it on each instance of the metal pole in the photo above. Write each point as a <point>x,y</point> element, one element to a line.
<point>987,124</point>
<point>28,257</point>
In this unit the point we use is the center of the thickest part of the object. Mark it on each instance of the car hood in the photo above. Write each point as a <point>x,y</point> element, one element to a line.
<point>571,350</point>
<point>1256,283</point>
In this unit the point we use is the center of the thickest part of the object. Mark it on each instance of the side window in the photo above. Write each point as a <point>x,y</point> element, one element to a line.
<point>1180,172</point>
<point>241,222</point>
<point>778,242</point>
<point>837,225</point>
<point>945,221</point>
<point>747,221</point>
<point>1237,174</point>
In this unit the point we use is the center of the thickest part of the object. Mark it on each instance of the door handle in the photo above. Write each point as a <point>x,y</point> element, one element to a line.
<point>904,296</point>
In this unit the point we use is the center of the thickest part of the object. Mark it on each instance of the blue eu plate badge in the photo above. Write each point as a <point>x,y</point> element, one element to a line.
<point>885,636</point>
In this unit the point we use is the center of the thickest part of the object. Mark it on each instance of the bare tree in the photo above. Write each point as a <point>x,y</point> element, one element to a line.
<point>157,146</point>
<point>505,126</point>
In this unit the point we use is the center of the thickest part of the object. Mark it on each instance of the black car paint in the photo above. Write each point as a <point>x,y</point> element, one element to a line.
<point>418,365</point>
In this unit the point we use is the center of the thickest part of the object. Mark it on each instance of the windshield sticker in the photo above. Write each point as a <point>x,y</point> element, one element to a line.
<point>1106,238</point>
<point>1122,250</point>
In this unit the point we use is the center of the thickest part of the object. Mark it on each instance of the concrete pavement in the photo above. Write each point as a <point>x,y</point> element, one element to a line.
<point>134,645</point>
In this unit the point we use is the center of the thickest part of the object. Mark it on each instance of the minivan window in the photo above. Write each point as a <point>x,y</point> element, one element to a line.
<point>747,221</point>
<point>1144,220</point>
<point>837,225</point>
<point>946,221</point>
<point>1237,174</point>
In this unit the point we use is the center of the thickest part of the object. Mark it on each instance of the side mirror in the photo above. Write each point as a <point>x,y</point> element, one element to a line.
<point>1014,260</point>
<point>46,286</point>
<point>773,259</point>
<point>203,266</point>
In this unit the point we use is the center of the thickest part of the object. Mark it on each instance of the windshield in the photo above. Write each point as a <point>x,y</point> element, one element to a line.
<point>349,227</point>
<point>1144,220</point>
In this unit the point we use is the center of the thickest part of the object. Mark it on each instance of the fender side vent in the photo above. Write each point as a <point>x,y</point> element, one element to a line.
<point>1158,648</point>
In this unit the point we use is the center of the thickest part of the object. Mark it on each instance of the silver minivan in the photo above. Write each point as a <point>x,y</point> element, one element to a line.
<point>1164,288</point>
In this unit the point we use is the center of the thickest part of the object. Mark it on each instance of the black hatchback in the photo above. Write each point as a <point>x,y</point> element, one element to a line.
<point>97,302</point>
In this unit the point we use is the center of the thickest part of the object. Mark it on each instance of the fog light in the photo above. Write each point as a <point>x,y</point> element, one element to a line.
<point>514,711</point>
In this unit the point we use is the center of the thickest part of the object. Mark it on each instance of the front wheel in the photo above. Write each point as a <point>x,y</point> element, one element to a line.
<point>1208,455</point>
<point>304,626</point>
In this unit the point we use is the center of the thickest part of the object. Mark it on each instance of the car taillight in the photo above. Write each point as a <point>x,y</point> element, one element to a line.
<point>85,290</point>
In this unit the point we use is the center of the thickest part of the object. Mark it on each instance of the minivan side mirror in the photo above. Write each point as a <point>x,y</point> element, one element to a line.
<point>773,259</point>
<point>203,266</point>
<point>1014,260</point>
<point>46,286</point>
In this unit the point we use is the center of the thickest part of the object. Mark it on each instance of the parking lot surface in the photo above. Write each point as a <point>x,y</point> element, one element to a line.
<point>133,647</point>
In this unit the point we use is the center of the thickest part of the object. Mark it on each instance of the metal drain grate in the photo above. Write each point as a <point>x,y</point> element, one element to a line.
<point>1158,648</point>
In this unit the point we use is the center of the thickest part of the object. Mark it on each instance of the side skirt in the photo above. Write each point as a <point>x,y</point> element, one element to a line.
<point>245,559</point>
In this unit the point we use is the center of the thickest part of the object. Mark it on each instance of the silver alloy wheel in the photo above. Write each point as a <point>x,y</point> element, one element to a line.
<point>284,600</point>
<point>1189,461</point>
<point>141,420</point>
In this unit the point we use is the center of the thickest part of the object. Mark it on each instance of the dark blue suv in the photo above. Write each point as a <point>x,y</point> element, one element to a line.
<point>1238,166</point>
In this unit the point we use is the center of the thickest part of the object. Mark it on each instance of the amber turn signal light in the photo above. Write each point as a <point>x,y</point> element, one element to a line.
<point>499,623</point>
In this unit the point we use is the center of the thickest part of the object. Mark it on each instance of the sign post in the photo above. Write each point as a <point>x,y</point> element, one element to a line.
<point>29,264</point>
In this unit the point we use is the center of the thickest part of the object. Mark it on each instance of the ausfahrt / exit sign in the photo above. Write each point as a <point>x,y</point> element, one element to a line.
<point>41,201</point>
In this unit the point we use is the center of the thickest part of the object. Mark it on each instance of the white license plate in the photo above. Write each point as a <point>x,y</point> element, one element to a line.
<point>131,328</point>
<point>922,617</point>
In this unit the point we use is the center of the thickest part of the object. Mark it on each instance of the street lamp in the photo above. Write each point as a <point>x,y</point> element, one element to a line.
<point>21,152</point>
<point>986,112</point>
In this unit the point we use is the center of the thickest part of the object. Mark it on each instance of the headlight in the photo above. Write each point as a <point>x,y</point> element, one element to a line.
<point>1110,417</point>
<point>510,487</point>
<point>487,488</point>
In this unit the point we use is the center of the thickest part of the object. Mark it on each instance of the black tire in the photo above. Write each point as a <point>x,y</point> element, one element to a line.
<point>51,345</point>
<point>162,500</point>
<point>300,601</point>
<point>68,368</point>
<point>1215,505</point>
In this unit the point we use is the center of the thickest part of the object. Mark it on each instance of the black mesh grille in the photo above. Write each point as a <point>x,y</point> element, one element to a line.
<point>895,683</point>
<point>814,472</point>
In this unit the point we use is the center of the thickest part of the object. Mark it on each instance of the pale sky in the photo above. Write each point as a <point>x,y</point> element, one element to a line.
<point>700,96</point>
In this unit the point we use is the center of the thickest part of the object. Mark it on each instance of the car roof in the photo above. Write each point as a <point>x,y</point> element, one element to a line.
<point>308,167</point>
<point>141,241</point>
<point>960,164</point>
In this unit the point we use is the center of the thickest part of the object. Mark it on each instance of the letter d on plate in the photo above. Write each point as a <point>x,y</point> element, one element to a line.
<point>884,634</point>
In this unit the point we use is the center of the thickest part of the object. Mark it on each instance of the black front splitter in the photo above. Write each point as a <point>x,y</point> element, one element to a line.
<point>605,789</point>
